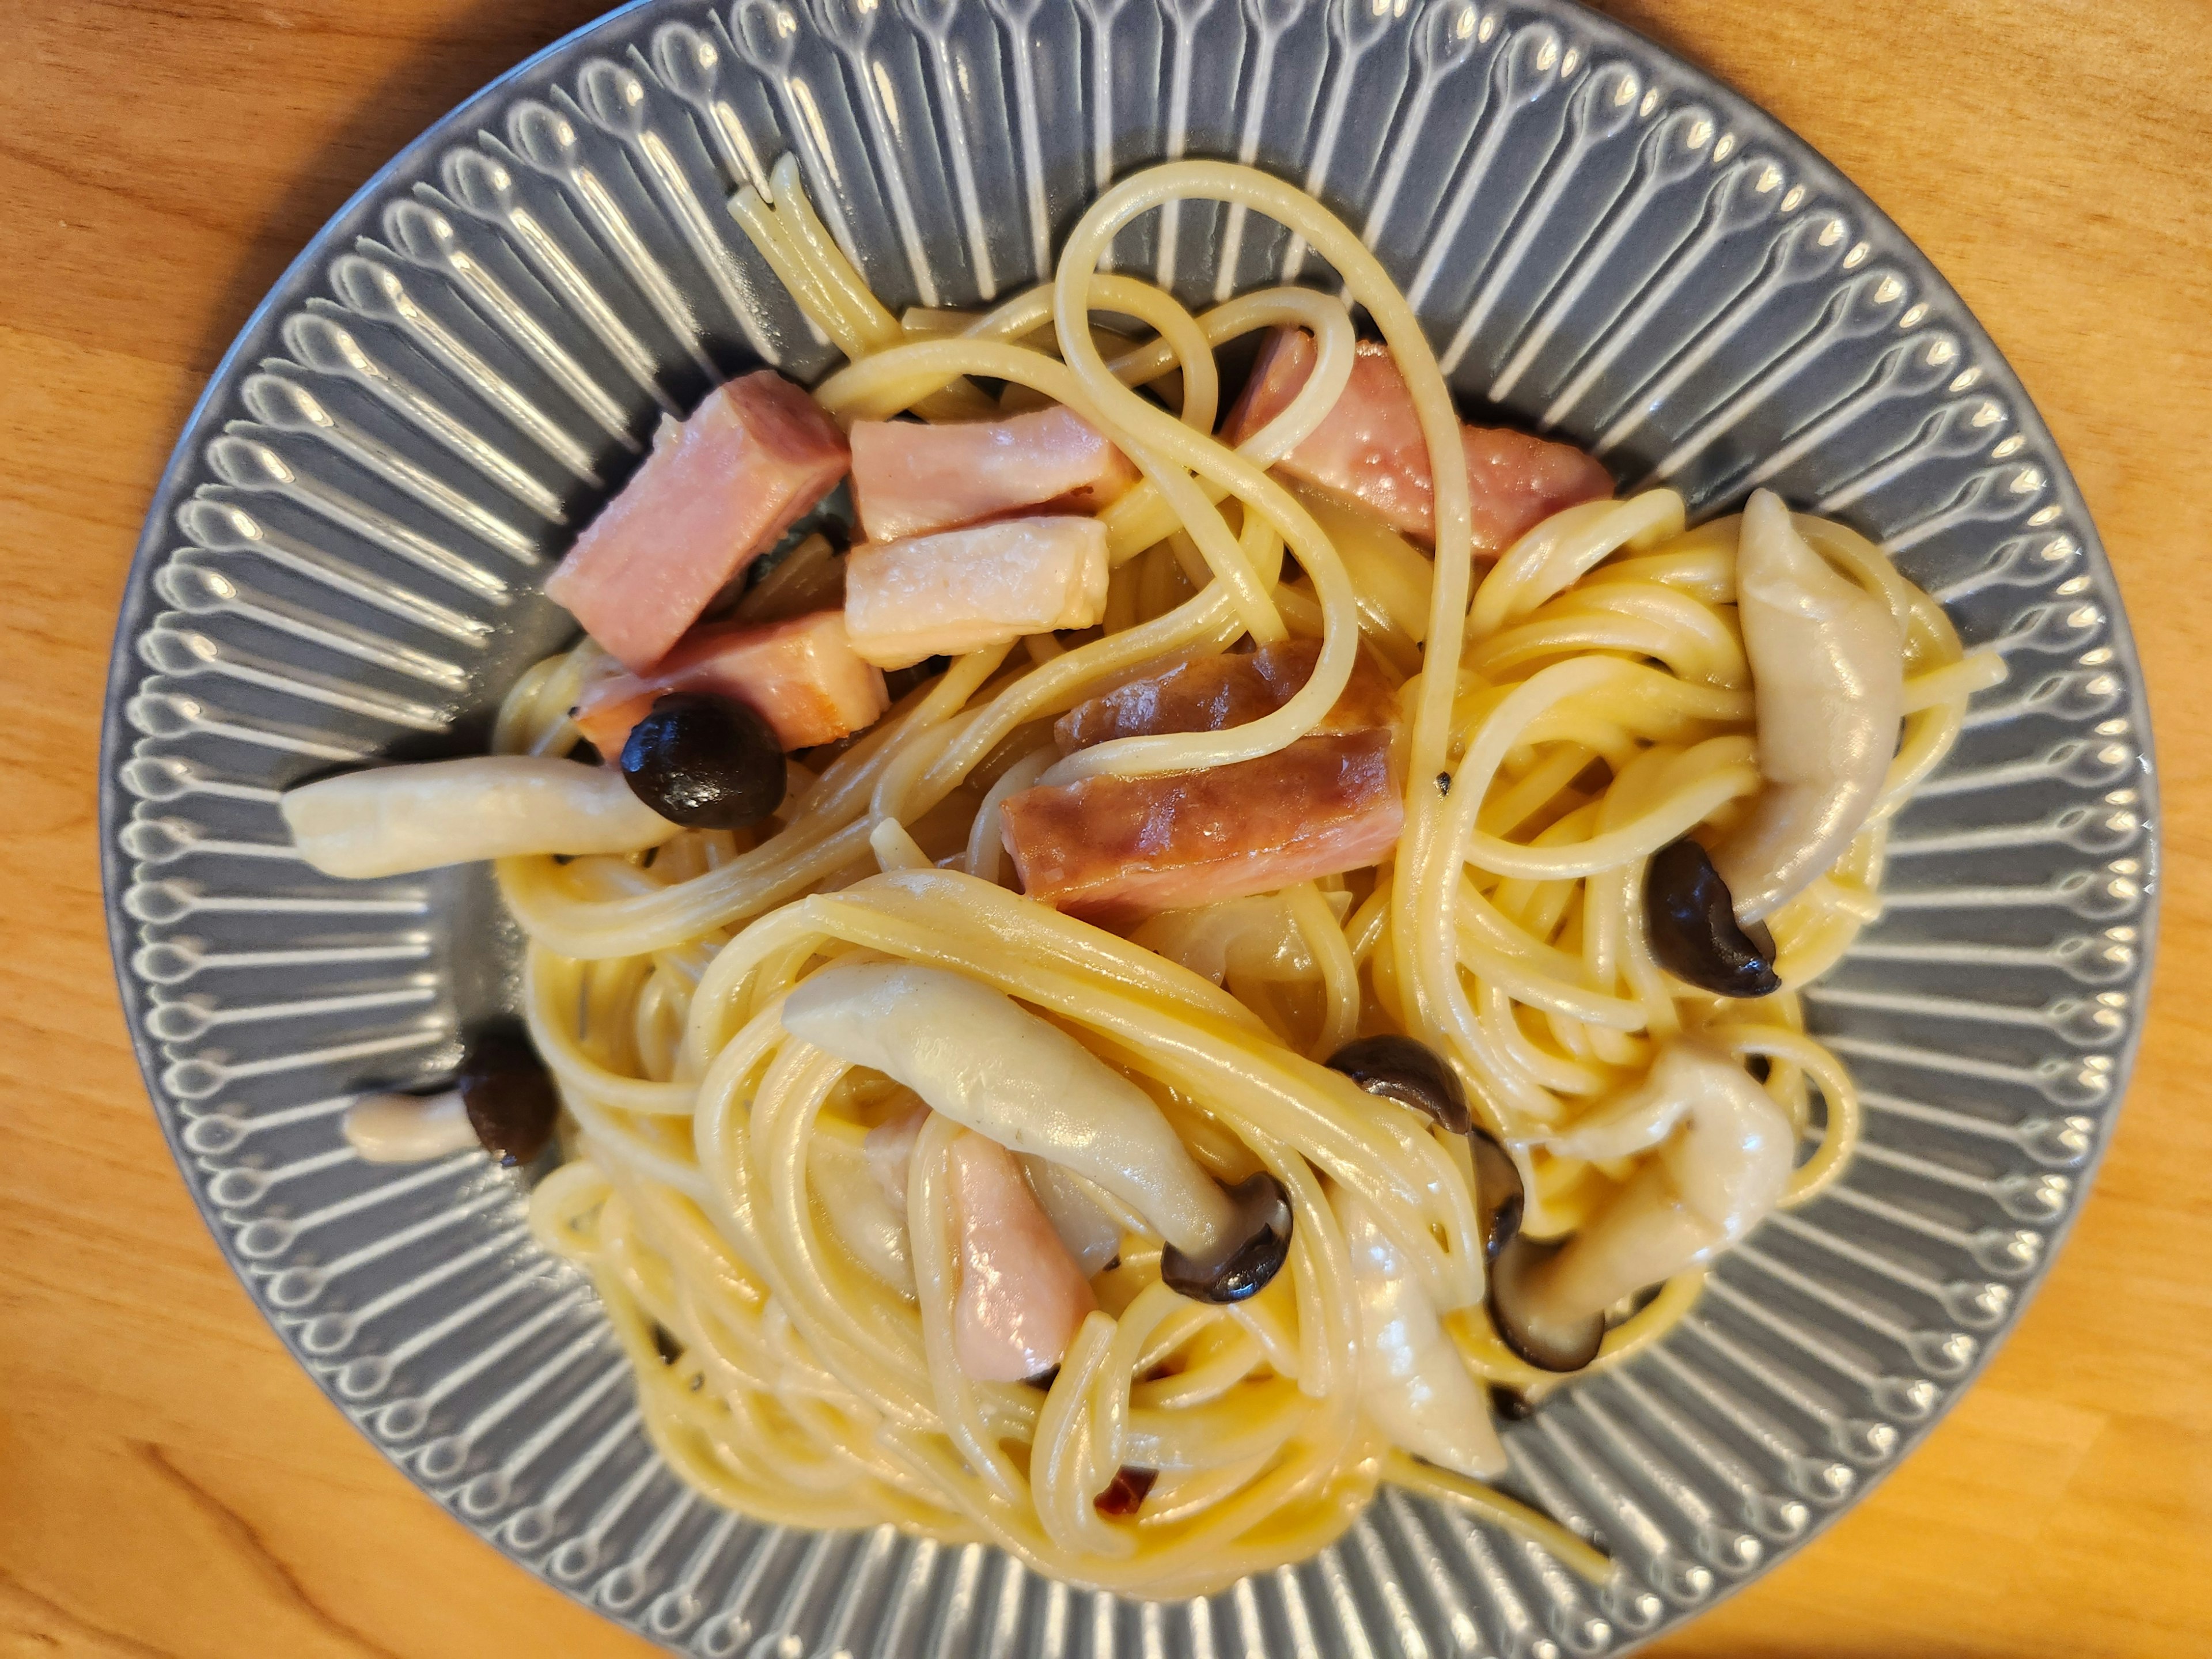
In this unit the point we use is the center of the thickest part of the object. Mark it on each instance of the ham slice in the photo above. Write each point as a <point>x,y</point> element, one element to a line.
<point>961,590</point>
<point>801,676</point>
<point>909,479</point>
<point>716,493</point>
<point>1022,1297</point>
<point>1213,693</point>
<point>1369,450</point>
<point>1114,850</point>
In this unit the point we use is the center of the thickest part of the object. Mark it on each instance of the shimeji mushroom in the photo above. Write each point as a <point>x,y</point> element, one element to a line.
<point>1828,666</point>
<point>502,1099</point>
<point>1690,921</point>
<point>1400,1068</point>
<point>1705,1187</point>
<point>1413,1381</point>
<point>977,1056</point>
<point>1827,669</point>
<point>396,819</point>
<point>1410,1072</point>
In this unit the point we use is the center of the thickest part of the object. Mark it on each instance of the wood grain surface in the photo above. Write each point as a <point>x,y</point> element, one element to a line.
<point>170,1484</point>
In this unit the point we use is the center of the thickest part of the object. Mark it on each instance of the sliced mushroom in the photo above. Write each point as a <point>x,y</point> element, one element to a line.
<point>1691,922</point>
<point>1705,1187</point>
<point>1549,1338</point>
<point>1827,670</point>
<point>502,1100</point>
<point>396,819</point>
<point>977,1056</point>
<point>1412,1073</point>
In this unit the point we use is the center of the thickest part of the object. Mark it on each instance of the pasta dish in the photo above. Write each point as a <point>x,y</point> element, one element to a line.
<point>1193,938</point>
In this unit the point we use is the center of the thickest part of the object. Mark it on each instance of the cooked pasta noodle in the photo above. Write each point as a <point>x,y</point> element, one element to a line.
<point>1582,704</point>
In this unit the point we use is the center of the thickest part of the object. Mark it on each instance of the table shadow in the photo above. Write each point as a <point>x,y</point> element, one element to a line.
<point>470,46</point>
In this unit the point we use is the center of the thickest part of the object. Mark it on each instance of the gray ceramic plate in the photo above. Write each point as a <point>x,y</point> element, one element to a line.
<point>343,563</point>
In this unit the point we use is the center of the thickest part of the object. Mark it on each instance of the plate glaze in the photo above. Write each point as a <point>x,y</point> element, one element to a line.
<point>343,560</point>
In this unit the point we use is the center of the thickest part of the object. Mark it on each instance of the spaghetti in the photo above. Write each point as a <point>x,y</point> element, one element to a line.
<point>1584,703</point>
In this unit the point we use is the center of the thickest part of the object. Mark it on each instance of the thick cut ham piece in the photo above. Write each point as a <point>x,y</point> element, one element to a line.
<point>961,590</point>
<point>716,493</point>
<point>1022,1296</point>
<point>909,479</point>
<point>801,676</point>
<point>1114,850</point>
<point>1215,693</point>
<point>1369,450</point>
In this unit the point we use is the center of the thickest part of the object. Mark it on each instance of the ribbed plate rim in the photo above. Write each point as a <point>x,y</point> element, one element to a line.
<point>298,280</point>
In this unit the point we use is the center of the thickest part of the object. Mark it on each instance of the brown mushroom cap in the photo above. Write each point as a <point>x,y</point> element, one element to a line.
<point>1499,1197</point>
<point>1410,1072</point>
<point>1254,1255</point>
<point>1689,920</point>
<point>511,1101</point>
<point>1516,1308</point>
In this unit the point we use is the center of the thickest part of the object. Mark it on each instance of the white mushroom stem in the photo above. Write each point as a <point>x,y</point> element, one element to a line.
<point>396,819</point>
<point>409,1128</point>
<point>1412,1384</point>
<point>1827,669</point>
<point>1723,1171</point>
<point>974,1055</point>
<point>861,1212</point>
<point>1091,1235</point>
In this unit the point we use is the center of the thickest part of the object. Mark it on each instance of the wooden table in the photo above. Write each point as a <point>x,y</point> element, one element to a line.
<point>170,1484</point>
